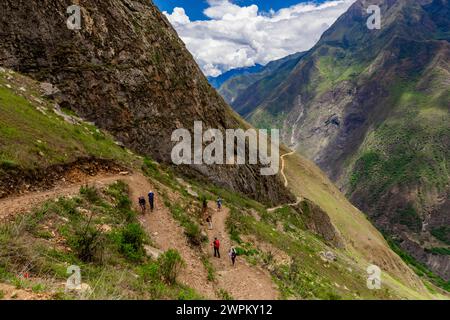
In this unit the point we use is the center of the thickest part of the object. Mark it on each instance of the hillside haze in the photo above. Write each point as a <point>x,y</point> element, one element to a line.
<point>371,108</point>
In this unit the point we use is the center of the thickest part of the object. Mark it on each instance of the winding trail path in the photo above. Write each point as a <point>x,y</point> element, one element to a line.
<point>286,183</point>
<point>283,165</point>
<point>242,281</point>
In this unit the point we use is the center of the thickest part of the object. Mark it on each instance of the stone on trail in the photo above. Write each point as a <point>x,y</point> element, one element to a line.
<point>152,252</point>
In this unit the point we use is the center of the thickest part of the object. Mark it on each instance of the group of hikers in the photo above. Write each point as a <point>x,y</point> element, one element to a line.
<point>151,201</point>
<point>232,253</point>
<point>216,243</point>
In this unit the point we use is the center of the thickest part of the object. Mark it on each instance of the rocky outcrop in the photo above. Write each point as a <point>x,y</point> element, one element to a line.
<point>319,222</point>
<point>127,71</point>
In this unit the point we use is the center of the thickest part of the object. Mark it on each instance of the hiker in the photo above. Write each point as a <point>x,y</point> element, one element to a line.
<point>205,206</point>
<point>142,203</point>
<point>151,200</point>
<point>216,245</point>
<point>233,255</point>
<point>219,203</point>
<point>209,220</point>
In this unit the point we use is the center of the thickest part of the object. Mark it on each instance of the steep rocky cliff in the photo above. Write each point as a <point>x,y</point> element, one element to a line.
<point>372,109</point>
<point>127,71</point>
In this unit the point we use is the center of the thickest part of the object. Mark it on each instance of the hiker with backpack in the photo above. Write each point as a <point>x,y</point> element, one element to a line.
<point>219,203</point>
<point>209,221</point>
<point>142,204</point>
<point>233,255</point>
<point>151,200</point>
<point>216,244</point>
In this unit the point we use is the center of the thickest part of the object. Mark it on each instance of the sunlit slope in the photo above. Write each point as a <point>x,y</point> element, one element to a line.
<point>362,241</point>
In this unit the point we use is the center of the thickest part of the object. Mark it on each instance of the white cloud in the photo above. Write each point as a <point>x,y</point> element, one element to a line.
<point>242,36</point>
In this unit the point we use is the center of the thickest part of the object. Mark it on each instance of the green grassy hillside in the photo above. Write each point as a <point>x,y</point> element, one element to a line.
<point>33,136</point>
<point>99,230</point>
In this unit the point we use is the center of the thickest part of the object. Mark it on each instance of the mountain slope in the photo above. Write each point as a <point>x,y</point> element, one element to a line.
<point>216,82</point>
<point>110,85</point>
<point>371,108</point>
<point>127,71</point>
<point>238,84</point>
<point>39,225</point>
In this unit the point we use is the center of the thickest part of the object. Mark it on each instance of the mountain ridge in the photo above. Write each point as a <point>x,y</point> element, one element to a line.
<point>370,108</point>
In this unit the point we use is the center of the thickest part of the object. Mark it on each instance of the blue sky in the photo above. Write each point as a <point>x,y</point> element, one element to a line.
<point>194,8</point>
<point>228,34</point>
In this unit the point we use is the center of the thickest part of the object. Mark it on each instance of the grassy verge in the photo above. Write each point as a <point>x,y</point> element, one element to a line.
<point>97,231</point>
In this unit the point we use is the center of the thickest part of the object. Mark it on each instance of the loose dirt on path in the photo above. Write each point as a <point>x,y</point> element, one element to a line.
<point>163,229</point>
<point>285,184</point>
<point>283,165</point>
<point>167,234</point>
<point>10,292</point>
<point>23,203</point>
<point>243,282</point>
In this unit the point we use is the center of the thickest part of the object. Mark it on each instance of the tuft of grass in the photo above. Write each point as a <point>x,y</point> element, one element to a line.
<point>130,240</point>
<point>170,264</point>
<point>224,295</point>
<point>209,268</point>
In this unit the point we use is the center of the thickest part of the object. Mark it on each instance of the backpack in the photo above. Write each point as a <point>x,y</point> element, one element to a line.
<point>216,243</point>
<point>141,200</point>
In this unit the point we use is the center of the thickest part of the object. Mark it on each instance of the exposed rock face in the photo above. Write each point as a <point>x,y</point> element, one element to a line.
<point>127,71</point>
<point>372,109</point>
<point>319,222</point>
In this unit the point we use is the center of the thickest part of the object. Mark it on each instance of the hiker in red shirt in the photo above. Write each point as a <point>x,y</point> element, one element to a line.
<point>216,245</point>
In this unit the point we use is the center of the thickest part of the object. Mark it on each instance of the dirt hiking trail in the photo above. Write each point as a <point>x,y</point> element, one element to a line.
<point>242,281</point>
<point>167,234</point>
<point>163,229</point>
<point>286,183</point>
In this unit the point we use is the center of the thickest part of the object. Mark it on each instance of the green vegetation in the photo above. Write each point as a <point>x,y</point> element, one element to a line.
<point>418,267</point>
<point>439,251</point>
<point>306,276</point>
<point>442,233</point>
<point>334,69</point>
<point>224,295</point>
<point>36,138</point>
<point>170,264</point>
<point>97,231</point>
<point>408,217</point>
<point>191,227</point>
<point>130,240</point>
<point>209,268</point>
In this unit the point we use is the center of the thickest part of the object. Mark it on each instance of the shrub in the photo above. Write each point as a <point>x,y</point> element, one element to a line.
<point>194,234</point>
<point>131,241</point>
<point>87,243</point>
<point>170,264</point>
<point>188,294</point>
<point>442,233</point>
<point>150,272</point>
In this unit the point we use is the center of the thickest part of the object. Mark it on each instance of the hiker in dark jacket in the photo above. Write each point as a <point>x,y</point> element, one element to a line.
<point>219,203</point>
<point>142,203</point>
<point>151,200</point>
<point>233,255</point>
<point>205,206</point>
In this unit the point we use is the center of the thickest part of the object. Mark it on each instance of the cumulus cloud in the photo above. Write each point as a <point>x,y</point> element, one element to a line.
<point>236,36</point>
